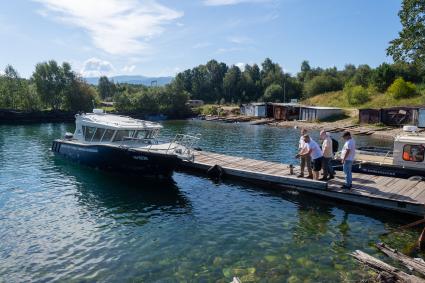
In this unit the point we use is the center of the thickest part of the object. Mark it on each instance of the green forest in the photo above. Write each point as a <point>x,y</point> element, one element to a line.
<point>57,87</point>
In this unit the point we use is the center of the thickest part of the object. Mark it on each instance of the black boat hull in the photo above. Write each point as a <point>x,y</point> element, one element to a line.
<point>118,159</point>
<point>382,169</point>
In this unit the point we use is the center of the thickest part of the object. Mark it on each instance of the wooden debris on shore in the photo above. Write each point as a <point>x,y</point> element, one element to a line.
<point>230,119</point>
<point>410,263</point>
<point>261,121</point>
<point>387,273</point>
<point>358,130</point>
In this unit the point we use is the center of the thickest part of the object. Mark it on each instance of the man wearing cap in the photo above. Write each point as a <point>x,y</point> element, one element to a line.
<point>304,159</point>
<point>328,172</point>
<point>313,149</point>
<point>347,157</point>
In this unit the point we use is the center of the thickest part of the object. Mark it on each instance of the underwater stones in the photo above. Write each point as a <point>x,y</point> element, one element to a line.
<point>271,258</point>
<point>217,260</point>
<point>293,279</point>
<point>304,262</point>
<point>230,272</point>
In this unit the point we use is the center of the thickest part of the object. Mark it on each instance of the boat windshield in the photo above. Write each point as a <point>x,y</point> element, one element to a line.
<point>123,135</point>
<point>108,135</point>
<point>88,132</point>
<point>146,134</point>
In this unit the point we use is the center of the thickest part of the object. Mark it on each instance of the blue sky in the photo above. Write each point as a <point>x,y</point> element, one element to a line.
<point>160,37</point>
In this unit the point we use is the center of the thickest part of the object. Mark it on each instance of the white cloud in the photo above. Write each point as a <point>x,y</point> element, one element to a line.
<point>238,39</point>
<point>230,2</point>
<point>230,49</point>
<point>241,66</point>
<point>115,26</point>
<point>128,68</point>
<point>95,67</point>
<point>201,45</point>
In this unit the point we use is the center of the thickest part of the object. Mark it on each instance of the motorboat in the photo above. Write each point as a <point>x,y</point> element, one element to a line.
<point>124,144</point>
<point>404,160</point>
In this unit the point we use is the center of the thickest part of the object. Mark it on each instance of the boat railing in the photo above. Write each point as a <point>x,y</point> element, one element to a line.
<point>183,145</point>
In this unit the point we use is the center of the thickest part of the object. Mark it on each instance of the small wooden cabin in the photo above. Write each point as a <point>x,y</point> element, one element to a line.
<point>317,113</point>
<point>399,116</point>
<point>286,111</point>
<point>254,109</point>
<point>195,103</point>
<point>369,116</point>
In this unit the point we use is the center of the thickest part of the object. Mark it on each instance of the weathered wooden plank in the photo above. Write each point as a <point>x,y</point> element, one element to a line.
<point>409,262</point>
<point>380,266</point>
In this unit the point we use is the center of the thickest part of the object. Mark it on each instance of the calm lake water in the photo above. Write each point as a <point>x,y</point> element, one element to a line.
<point>62,222</point>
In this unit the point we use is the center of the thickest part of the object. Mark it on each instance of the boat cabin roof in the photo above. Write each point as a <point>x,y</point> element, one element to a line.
<point>411,139</point>
<point>117,122</point>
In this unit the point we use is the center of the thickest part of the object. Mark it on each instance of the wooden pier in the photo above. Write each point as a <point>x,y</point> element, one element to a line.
<point>378,191</point>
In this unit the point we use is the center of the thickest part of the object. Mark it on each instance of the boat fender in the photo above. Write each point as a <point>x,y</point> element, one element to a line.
<point>215,172</point>
<point>416,178</point>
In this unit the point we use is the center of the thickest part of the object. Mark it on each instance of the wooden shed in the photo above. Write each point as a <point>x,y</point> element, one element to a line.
<point>254,109</point>
<point>369,116</point>
<point>398,116</point>
<point>286,111</point>
<point>317,113</point>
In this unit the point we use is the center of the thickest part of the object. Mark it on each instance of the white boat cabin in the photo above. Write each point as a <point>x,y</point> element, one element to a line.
<point>409,151</point>
<point>99,127</point>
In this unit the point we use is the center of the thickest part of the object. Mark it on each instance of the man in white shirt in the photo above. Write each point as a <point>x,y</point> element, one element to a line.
<point>305,160</point>
<point>313,149</point>
<point>327,150</point>
<point>347,157</point>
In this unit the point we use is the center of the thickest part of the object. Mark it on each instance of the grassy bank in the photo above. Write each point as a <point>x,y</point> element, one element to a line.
<point>379,100</point>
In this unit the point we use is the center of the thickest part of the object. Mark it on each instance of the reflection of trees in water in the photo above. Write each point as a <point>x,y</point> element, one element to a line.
<point>121,196</point>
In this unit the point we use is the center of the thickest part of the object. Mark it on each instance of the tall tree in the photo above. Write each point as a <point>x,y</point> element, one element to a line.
<point>231,84</point>
<point>50,83</point>
<point>12,90</point>
<point>410,44</point>
<point>105,87</point>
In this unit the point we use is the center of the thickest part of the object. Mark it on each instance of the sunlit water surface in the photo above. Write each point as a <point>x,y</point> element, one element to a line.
<point>63,222</point>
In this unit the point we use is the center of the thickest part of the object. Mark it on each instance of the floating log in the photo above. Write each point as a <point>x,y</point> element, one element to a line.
<point>380,266</point>
<point>409,262</point>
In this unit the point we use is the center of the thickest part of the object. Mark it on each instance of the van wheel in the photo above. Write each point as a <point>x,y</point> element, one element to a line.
<point>416,178</point>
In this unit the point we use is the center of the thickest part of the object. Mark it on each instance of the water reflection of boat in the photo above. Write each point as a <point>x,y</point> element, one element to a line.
<point>120,143</point>
<point>104,191</point>
<point>404,160</point>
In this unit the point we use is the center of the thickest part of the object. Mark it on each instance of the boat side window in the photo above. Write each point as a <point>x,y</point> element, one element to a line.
<point>98,134</point>
<point>141,134</point>
<point>88,133</point>
<point>413,152</point>
<point>108,135</point>
<point>121,135</point>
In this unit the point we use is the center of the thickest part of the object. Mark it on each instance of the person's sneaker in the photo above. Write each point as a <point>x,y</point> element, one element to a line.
<point>300,176</point>
<point>346,187</point>
<point>323,179</point>
<point>331,177</point>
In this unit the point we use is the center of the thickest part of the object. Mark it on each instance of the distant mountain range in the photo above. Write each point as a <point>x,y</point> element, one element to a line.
<point>133,80</point>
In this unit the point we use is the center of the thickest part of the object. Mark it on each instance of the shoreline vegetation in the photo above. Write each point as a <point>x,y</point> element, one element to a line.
<point>54,87</point>
<point>57,87</point>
